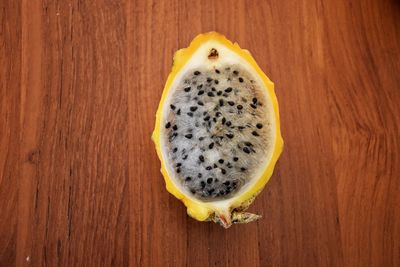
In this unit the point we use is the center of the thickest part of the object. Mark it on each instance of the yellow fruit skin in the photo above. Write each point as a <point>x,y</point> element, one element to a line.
<point>200,210</point>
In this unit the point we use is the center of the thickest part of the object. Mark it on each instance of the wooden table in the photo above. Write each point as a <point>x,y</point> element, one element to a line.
<point>79,177</point>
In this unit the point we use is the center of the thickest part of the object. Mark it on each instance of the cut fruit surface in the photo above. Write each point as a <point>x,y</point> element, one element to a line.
<point>217,130</point>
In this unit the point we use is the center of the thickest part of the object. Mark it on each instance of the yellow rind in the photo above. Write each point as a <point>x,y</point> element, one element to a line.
<point>202,210</point>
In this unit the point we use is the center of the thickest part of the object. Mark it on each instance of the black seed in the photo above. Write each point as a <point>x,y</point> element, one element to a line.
<point>209,79</point>
<point>239,107</point>
<point>207,118</point>
<point>185,157</point>
<point>259,125</point>
<point>213,89</point>
<point>201,138</point>
<point>216,81</point>
<point>210,146</point>
<point>240,79</point>
<point>254,100</point>
<point>215,166</point>
<point>223,120</point>
<point>219,93</point>
<point>209,180</point>
<point>199,175</point>
<point>255,133</point>
<point>189,136</point>
<point>228,90</point>
<point>208,168</point>
<point>174,150</point>
<point>187,179</point>
<point>222,192</point>
<point>221,161</point>
<point>172,107</point>
<point>217,71</point>
<point>192,191</point>
<point>225,95</point>
<point>210,191</point>
<point>200,92</point>
<point>199,86</point>
<point>243,169</point>
<point>190,114</point>
<point>246,150</point>
<point>187,89</point>
<point>248,144</point>
<point>229,165</point>
<point>235,158</point>
<point>223,171</point>
<point>193,108</point>
<point>241,127</point>
<point>201,158</point>
<point>227,183</point>
<point>200,103</point>
<point>221,102</point>
<point>228,123</point>
<point>197,72</point>
<point>218,114</point>
<point>178,170</point>
<point>168,125</point>
<point>178,112</point>
<point>229,135</point>
<point>178,164</point>
<point>253,106</point>
<point>203,184</point>
<point>214,119</point>
<point>231,103</point>
<point>175,127</point>
<point>210,94</point>
<point>235,72</point>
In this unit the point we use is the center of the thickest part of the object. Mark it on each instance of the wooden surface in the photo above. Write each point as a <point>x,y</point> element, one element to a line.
<point>79,178</point>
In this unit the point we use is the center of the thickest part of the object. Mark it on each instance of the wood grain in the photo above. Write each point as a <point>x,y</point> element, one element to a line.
<point>79,178</point>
